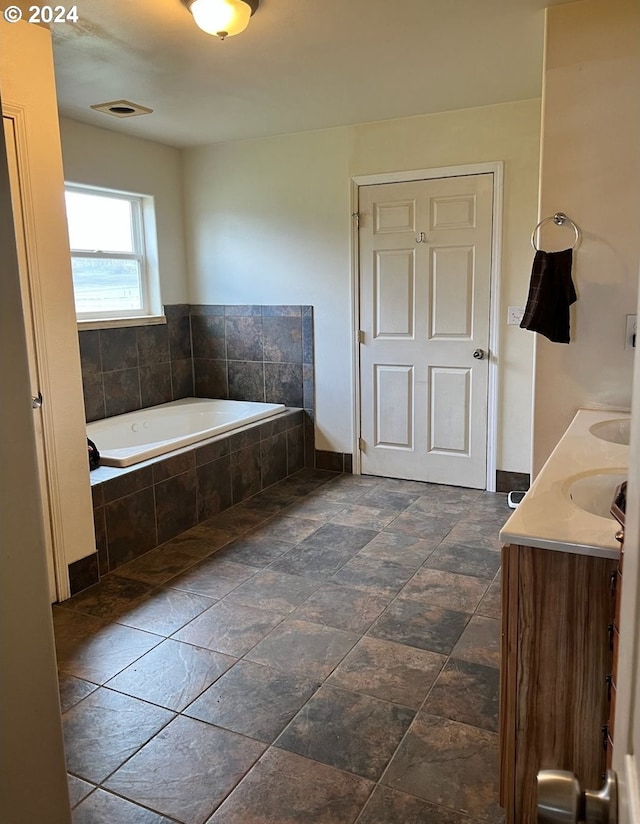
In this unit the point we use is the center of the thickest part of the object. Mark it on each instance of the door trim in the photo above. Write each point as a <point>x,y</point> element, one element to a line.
<point>17,115</point>
<point>495,168</point>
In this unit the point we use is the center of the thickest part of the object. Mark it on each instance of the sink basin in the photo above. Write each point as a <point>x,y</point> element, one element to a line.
<point>594,492</point>
<point>614,431</point>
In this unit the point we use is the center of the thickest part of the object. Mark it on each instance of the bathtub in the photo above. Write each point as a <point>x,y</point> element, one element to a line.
<point>135,436</point>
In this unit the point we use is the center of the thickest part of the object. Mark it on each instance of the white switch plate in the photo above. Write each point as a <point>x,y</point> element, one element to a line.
<point>514,315</point>
<point>630,331</point>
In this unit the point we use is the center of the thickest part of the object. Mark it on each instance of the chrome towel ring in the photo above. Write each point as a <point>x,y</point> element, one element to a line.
<point>559,219</point>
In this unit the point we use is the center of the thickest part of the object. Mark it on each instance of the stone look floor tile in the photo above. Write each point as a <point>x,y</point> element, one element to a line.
<point>412,623</point>
<point>476,534</point>
<point>172,675</point>
<point>445,589</point>
<point>309,650</point>
<point>235,521</point>
<point>288,529</point>
<point>363,572</point>
<point>312,561</point>
<point>95,651</point>
<point>314,509</point>
<point>388,806</point>
<point>254,551</point>
<point>213,577</point>
<point>229,628</point>
<point>284,788</point>
<point>105,729</point>
<point>165,610</point>
<point>110,598</point>
<point>105,808</point>
<point>78,789</point>
<point>253,700</point>
<point>468,693</point>
<point>370,516</point>
<point>491,606</point>
<point>353,610</point>
<point>414,566</point>
<point>393,672</point>
<point>73,690</point>
<point>449,764</point>
<point>406,550</point>
<point>480,642</point>
<point>186,770</point>
<point>466,560</point>
<point>415,522</point>
<point>201,541</point>
<point>275,591</point>
<point>352,732</point>
<point>159,565</point>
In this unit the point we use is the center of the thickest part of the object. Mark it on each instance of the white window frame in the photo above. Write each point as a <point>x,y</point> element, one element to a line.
<point>145,253</point>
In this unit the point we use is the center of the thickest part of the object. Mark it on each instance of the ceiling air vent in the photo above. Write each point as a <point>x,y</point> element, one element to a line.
<point>122,108</point>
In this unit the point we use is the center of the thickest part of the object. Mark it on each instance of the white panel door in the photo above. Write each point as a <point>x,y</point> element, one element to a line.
<point>425,274</point>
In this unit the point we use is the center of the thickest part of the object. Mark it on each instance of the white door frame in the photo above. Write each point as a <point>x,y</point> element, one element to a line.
<point>54,535</point>
<point>497,170</point>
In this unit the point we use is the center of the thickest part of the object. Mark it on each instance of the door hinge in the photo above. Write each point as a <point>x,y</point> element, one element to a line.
<point>360,335</point>
<point>361,444</point>
<point>356,217</point>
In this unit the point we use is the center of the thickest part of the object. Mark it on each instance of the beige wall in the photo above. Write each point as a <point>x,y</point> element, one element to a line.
<point>590,170</point>
<point>99,157</point>
<point>268,222</point>
<point>33,785</point>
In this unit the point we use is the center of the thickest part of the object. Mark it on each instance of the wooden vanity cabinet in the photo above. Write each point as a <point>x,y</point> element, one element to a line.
<point>557,611</point>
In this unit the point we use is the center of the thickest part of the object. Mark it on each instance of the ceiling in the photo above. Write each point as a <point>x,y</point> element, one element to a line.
<point>300,65</point>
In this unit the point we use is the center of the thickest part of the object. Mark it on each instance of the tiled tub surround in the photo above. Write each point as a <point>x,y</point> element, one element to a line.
<point>254,353</point>
<point>136,366</point>
<point>248,353</point>
<point>139,508</point>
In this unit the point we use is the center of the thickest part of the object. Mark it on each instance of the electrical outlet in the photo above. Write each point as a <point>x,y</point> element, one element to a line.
<point>514,315</point>
<point>630,332</point>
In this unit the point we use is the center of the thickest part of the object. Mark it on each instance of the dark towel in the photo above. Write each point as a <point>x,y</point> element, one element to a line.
<point>551,293</point>
<point>94,455</point>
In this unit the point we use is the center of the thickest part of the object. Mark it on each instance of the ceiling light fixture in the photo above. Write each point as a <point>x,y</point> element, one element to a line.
<point>223,18</point>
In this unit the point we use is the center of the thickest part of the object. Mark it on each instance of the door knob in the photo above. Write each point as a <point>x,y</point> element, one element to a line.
<point>561,799</point>
<point>478,354</point>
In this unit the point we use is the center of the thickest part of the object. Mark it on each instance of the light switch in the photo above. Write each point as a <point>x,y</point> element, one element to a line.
<point>514,315</point>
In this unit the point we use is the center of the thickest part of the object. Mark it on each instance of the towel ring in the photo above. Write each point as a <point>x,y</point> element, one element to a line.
<point>559,219</point>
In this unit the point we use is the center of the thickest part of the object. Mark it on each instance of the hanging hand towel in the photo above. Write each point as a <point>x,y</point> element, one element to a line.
<point>551,293</point>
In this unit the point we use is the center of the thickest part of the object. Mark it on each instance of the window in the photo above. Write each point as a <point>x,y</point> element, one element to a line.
<point>112,275</point>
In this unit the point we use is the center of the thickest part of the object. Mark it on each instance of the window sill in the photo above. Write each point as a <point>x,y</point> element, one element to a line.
<point>114,323</point>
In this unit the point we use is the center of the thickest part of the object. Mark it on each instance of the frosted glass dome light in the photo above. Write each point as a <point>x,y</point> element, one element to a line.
<point>223,18</point>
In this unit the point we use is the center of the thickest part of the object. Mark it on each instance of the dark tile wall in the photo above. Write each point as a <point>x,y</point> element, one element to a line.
<point>512,481</point>
<point>254,353</point>
<point>133,367</point>
<point>143,508</point>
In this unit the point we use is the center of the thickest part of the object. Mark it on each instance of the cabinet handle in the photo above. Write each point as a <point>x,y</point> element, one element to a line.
<point>610,632</point>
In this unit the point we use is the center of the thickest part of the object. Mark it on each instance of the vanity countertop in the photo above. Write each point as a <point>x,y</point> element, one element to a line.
<point>548,518</point>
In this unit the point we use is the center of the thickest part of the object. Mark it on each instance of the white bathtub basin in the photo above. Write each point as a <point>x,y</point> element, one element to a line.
<point>593,492</point>
<point>614,431</point>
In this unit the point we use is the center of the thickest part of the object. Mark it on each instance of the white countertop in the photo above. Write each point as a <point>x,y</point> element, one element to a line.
<point>547,517</point>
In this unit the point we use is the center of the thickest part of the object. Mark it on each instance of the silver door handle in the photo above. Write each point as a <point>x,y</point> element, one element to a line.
<point>478,354</point>
<point>36,401</point>
<point>561,799</point>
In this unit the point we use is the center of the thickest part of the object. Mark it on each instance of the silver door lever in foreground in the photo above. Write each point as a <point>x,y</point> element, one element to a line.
<point>561,799</point>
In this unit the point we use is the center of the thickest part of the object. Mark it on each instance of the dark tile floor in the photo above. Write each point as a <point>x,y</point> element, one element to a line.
<point>326,651</point>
